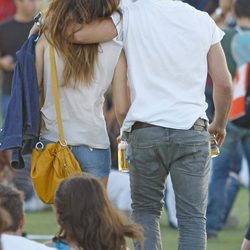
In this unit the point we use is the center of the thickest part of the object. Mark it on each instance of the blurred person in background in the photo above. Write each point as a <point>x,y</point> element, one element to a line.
<point>7,9</point>
<point>223,15</point>
<point>236,46</point>
<point>13,33</point>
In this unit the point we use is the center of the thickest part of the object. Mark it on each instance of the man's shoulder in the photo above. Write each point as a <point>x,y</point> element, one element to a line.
<point>190,13</point>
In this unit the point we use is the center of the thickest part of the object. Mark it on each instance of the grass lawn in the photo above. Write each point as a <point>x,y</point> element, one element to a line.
<point>230,239</point>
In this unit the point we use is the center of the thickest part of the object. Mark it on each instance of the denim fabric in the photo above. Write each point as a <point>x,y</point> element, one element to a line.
<point>153,153</point>
<point>22,120</point>
<point>220,172</point>
<point>233,182</point>
<point>5,100</point>
<point>92,160</point>
<point>232,189</point>
<point>22,179</point>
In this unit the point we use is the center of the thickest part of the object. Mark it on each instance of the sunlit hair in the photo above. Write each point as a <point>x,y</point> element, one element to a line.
<point>79,60</point>
<point>5,219</point>
<point>88,219</point>
<point>11,200</point>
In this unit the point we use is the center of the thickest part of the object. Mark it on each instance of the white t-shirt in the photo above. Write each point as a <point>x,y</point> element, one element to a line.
<point>13,242</point>
<point>166,44</point>
<point>81,107</point>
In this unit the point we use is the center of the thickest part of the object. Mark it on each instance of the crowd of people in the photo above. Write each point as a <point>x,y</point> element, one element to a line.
<point>173,75</point>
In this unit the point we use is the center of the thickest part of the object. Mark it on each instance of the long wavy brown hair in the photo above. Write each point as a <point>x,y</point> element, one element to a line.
<point>79,60</point>
<point>88,219</point>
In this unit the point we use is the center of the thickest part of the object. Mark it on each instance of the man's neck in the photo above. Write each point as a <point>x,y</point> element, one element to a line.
<point>16,233</point>
<point>23,18</point>
<point>243,22</point>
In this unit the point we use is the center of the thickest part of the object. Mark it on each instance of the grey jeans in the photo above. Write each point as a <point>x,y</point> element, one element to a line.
<point>153,153</point>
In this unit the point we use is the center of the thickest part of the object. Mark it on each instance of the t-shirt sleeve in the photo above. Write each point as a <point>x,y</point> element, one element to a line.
<point>117,20</point>
<point>121,22</point>
<point>216,33</point>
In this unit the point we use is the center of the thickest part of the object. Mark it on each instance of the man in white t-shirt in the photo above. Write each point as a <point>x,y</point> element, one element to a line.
<point>11,201</point>
<point>170,48</point>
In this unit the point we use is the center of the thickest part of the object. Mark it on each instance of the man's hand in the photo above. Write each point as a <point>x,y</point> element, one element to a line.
<point>7,63</point>
<point>218,131</point>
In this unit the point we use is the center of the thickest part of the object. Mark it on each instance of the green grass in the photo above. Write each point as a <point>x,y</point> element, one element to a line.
<point>230,239</point>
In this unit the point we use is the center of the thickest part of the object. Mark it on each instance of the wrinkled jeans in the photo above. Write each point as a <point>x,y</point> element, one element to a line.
<point>154,152</point>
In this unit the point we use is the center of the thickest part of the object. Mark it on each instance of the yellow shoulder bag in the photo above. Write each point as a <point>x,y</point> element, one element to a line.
<point>55,162</point>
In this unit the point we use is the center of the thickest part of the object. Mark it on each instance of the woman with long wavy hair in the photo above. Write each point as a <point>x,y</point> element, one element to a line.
<point>89,221</point>
<point>84,72</point>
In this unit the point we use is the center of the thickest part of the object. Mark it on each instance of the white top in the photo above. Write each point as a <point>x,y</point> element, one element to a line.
<point>166,44</point>
<point>81,107</point>
<point>13,242</point>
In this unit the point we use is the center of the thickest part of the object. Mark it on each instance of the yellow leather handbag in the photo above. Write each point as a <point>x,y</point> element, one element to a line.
<point>54,162</point>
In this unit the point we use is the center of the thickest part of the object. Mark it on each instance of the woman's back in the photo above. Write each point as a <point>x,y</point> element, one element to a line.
<point>81,103</point>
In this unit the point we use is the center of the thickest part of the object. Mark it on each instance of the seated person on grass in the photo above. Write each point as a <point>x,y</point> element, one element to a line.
<point>11,201</point>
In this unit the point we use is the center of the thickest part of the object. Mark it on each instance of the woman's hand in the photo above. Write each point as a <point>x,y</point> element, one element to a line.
<point>34,30</point>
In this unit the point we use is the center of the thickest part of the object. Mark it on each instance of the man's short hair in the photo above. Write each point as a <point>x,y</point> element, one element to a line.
<point>242,8</point>
<point>12,201</point>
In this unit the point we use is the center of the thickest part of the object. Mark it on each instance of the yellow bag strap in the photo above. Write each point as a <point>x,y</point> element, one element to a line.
<point>56,96</point>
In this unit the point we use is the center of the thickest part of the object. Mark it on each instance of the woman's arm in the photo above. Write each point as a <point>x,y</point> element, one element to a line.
<point>40,59</point>
<point>121,97</point>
